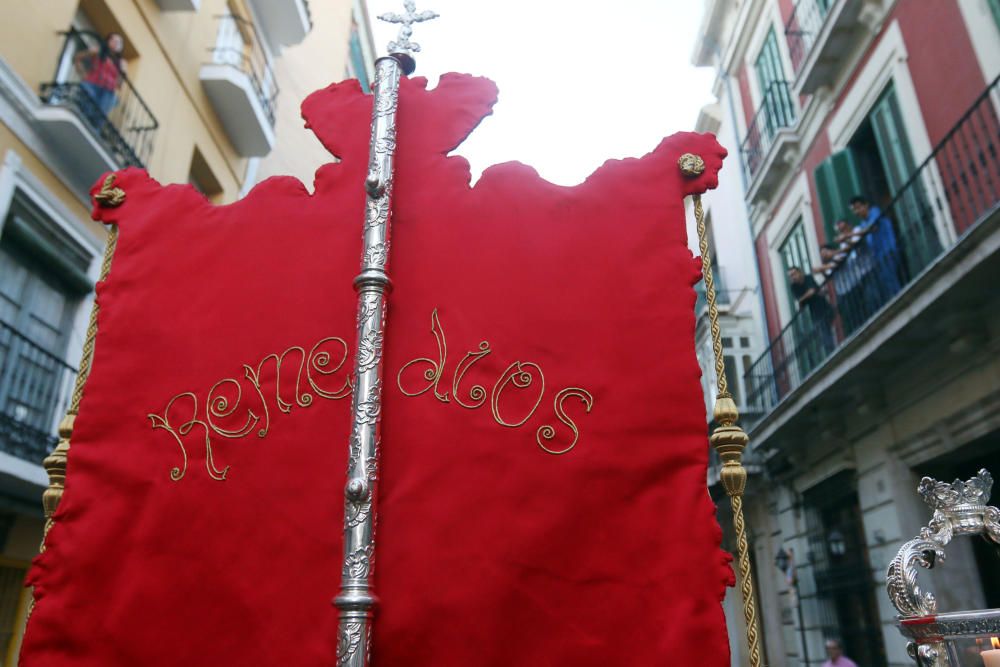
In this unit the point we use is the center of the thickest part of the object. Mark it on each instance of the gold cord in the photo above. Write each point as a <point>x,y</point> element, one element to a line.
<point>88,343</point>
<point>729,440</point>
<point>713,309</point>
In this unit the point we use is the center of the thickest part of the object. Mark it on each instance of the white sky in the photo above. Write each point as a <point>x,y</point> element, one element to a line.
<point>580,82</point>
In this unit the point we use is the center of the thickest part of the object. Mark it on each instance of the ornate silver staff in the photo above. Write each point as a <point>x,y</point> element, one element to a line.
<point>356,601</point>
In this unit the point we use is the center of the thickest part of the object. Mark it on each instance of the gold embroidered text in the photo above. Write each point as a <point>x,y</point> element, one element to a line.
<point>519,375</point>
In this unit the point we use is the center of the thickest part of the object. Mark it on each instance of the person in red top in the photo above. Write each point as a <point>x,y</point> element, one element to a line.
<point>102,69</point>
<point>836,655</point>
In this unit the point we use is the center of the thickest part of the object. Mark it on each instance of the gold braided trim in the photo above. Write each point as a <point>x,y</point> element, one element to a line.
<point>88,344</point>
<point>713,309</point>
<point>746,587</point>
<point>729,440</point>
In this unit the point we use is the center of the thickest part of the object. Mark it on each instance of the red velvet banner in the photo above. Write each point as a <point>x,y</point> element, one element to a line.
<point>542,490</point>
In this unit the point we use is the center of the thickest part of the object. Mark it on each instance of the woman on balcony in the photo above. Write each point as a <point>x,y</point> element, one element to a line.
<point>102,69</point>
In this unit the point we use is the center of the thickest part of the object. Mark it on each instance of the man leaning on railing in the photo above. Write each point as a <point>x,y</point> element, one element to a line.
<point>881,239</point>
<point>813,343</point>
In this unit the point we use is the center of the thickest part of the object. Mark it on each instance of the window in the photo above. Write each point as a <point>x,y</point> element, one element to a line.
<point>201,177</point>
<point>794,252</point>
<point>356,58</point>
<point>775,98</point>
<point>729,363</point>
<point>42,280</point>
<point>768,63</point>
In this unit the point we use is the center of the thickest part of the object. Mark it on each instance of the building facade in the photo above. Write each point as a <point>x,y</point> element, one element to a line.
<point>204,92</point>
<point>879,364</point>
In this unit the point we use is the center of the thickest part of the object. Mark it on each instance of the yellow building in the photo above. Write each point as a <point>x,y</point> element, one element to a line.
<point>205,92</point>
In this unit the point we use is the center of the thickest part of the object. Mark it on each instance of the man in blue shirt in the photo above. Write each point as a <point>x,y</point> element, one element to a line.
<point>881,241</point>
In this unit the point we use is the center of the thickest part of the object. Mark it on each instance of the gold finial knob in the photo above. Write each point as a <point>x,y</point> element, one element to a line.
<point>725,412</point>
<point>110,196</point>
<point>691,165</point>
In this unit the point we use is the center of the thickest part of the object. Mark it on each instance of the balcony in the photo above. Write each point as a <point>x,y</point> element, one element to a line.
<point>283,22</point>
<point>241,87</point>
<point>92,112</point>
<point>769,148</point>
<point>908,292</point>
<point>821,33</point>
<point>35,388</point>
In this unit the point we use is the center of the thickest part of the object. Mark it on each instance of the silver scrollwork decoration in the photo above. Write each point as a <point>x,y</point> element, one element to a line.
<point>959,509</point>
<point>901,578</point>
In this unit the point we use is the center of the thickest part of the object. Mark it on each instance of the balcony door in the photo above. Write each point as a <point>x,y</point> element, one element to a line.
<point>230,46</point>
<point>804,346</point>
<point>238,45</point>
<point>912,210</point>
<point>65,69</point>
<point>842,591</point>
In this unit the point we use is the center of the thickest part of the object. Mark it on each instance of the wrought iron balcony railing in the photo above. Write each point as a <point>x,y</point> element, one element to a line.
<point>238,45</point>
<point>803,26</point>
<point>35,388</point>
<point>957,186</point>
<point>93,85</point>
<point>776,111</point>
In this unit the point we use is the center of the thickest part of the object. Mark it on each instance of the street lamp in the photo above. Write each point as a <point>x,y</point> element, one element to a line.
<point>784,560</point>
<point>836,542</point>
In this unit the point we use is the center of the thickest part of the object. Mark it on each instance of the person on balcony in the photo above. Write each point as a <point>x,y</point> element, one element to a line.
<point>881,241</point>
<point>854,276</point>
<point>102,69</point>
<point>814,333</point>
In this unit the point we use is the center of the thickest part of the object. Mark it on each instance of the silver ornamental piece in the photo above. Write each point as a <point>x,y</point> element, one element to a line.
<point>959,509</point>
<point>355,600</point>
<point>403,45</point>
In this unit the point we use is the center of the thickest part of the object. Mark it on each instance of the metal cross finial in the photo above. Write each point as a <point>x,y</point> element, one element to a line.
<point>403,43</point>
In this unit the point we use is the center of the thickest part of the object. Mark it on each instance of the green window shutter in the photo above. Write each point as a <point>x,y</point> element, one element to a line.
<point>995,9</point>
<point>911,212</point>
<point>768,63</point>
<point>893,146</point>
<point>775,99</point>
<point>837,180</point>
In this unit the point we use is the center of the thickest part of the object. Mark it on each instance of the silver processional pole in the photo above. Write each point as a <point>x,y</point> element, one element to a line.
<point>356,601</point>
